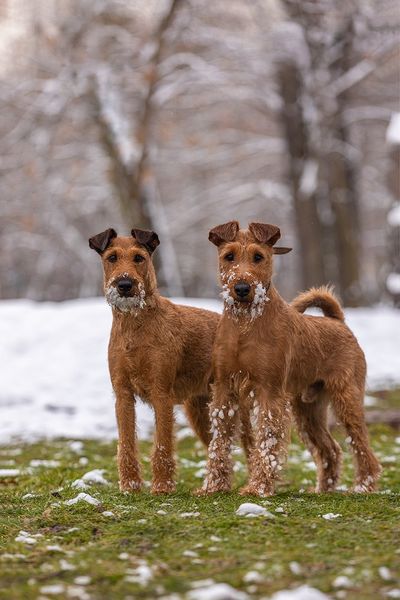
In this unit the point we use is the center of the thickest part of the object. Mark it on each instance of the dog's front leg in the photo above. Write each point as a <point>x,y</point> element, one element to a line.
<point>163,453</point>
<point>128,465</point>
<point>273,424</point>
<point>223,413</point>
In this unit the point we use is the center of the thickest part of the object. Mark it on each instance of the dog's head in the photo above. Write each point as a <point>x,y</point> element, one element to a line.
<point>129,276</point>
<point>246,264</point>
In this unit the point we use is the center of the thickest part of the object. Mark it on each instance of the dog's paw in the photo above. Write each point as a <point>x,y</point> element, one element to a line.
<point>163,487</point>
<point>210,490</point>
<point>253,490</point>
<point>130,486</point>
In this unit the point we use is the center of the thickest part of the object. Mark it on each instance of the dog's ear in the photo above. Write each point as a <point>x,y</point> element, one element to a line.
<point>102,240</point>
<point>265,233</point>
<point>224,233</point>
<point>148,239</point>
<point>282,250</point>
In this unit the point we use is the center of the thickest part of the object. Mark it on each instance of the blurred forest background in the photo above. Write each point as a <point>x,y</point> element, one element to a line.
<point>177,115</point>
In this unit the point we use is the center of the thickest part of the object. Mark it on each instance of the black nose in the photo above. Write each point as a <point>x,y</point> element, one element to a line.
<point>124,286</point>
<point>242,289</point>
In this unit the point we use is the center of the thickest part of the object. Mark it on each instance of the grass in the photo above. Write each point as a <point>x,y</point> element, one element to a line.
<point>296,546</point>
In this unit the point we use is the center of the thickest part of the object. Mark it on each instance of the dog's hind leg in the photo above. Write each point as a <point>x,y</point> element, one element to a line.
<point>197,412</point>
<point>311,420</point>
<point>348,405</point>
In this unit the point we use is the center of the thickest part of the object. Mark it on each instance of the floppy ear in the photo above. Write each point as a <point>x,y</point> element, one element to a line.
<point>265,233</point>
<point>224,233</point>
<point>102,240</point>
<point>282,250</point>
<point>148,239</point>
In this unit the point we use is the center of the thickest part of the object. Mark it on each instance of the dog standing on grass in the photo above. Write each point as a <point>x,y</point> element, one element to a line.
<point>158,351</point>
<point>267,352</point>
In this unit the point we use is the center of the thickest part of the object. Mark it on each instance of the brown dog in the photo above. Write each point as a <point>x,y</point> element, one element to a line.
<point>285,361</point>
<point>158,351</point>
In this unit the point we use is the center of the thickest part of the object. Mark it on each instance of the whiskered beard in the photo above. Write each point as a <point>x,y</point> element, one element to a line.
<point>252,309</point>
<point>126,304</point>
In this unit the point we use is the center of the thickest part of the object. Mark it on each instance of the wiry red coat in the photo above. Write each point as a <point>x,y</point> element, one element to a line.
<point>268,353</point>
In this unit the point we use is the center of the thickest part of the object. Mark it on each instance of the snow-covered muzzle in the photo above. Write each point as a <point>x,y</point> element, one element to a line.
<point>132,303</point>
<point>252,306</point>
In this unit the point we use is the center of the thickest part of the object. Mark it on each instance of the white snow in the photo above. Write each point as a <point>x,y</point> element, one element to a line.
<point>393,216</point>
<point>385,574</point>
<point>330,516</point>
<point>216,591</point>
<point>253,577</point>
<point>295,568</point>
<point>27,538</point>
<point>47,464</point>
<point>95,476</point>
<point>10,472</point>
<point>53,590</point>
<point>79,484</point>
<point>142,574</point>
<point>342,581</point>
<point>56,383</point>
<point>309,178</point>
<point>304,592</point>
<point>393,283</point>
<point>248,509</point>
<point>82,497</point>
<point>393,130</point>
<point>82,580</point>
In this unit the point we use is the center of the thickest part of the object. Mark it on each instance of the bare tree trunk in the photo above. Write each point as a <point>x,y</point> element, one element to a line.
<point>341,178</point>
<point>134,184</point>
<point>303,172</point>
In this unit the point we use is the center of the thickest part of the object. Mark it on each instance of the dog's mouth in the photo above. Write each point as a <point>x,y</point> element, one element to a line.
<point>126,298</point>
<point>248,300</point>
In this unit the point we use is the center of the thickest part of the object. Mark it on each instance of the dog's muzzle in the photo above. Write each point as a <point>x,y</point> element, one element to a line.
<point>124,286</point>
<point>242,291</point>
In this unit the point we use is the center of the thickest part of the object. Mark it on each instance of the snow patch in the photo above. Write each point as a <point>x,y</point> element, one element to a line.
<point>393,130</point>
<point>82,497</point>
<point>53,590</point>
<point>330,516</point>
<point>248,509</point>
<point>10,472</point>
<point>75,334</point>
<point>393,283</point>
<point>304,592</point>
<point>216,591</point>
<point>95,476</point>
<point>342,581</point>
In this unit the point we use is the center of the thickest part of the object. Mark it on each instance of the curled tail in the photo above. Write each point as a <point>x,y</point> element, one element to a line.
<point>323,298</point>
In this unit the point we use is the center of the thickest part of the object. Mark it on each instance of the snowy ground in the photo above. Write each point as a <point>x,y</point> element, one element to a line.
<point>54,378</point>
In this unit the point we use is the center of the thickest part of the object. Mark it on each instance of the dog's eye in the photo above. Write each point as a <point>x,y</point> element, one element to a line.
<point>229,257</point>
<point>258,257</point>
<point>138,258</point>
<point>112,258</point>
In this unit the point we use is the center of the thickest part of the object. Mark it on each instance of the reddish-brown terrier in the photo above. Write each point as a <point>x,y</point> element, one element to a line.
<point>268,353</point>
<point>158,351</point>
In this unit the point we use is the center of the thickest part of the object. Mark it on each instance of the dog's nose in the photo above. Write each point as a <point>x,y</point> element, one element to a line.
<point>124,286</point>
<point>242,289</point>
